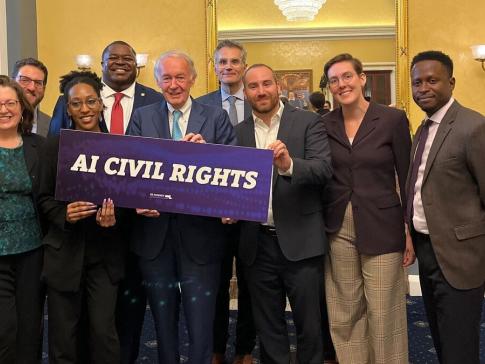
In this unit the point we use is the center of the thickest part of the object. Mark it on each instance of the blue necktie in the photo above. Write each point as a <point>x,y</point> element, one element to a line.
<point>176,131</point>
<point>232,110</point>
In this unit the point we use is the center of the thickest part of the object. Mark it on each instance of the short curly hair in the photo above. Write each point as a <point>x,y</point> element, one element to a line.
<point>75,77</point>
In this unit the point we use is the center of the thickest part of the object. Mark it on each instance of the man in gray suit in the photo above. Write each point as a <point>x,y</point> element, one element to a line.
<point>446,209</point>
<point>284,255</point>
<point>31,75</point>
<point>230,64</point>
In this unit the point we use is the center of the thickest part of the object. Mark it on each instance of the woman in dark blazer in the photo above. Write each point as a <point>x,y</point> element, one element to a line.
<point>83,257</point>
<point>364,216</point>
<point>20,232</point>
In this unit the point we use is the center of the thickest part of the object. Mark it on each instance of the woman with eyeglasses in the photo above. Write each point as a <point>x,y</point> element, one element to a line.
<point>20,231</point>
<point>83,247</point>
<point>364,216</point>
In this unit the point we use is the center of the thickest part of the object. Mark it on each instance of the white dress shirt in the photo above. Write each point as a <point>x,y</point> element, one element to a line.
<point>184,118</point>
<point>239,102</point>
<point>419,219</point>
<point>108,97</point>
<point>34,121</point>
<point>265,135</point>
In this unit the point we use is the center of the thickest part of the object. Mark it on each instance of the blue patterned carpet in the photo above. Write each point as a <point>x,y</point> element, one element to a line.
<point>421,350</point>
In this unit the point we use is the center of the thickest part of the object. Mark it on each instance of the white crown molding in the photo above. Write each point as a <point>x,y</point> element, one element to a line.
<point>285,34</point>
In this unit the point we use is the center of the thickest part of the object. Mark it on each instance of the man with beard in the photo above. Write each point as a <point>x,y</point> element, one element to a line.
<point>31,75</point>
<point>230,63</point>
<point>121,96</point>
<point>284,255</point>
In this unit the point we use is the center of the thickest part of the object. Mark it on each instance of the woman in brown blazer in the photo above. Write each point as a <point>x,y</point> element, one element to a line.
<point>364,215</point>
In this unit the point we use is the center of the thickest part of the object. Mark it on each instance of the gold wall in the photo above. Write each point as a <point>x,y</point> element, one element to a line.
<point>451,27</point>
<point>261,14</point>
<point>67,28</point>
<point>293,55</point>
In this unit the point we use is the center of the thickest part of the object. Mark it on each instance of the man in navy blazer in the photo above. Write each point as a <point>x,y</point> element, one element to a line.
<point>230,63</point>
<point>180,255</point>
<point>119,75</point>
<point>283,256</point>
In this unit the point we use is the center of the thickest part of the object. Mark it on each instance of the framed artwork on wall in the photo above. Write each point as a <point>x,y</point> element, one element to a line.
<point>296,85</point>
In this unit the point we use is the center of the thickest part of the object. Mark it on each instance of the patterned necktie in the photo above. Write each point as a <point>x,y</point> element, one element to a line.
<point>232,109</point>
<point>418,156</point>
<point>116,126</point>
<point>176,131</point>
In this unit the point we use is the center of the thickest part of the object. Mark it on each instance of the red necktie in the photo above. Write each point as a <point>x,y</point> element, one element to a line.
<point>117,116</point>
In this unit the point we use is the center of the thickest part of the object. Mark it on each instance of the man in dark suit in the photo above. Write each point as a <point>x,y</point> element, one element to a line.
<point>31,74</point>
<point>119,77</point>
<point>230,63</point>
<point>121,95</point>
<point>446,209</point>
<point>180,255</point>
<point>284,255</point>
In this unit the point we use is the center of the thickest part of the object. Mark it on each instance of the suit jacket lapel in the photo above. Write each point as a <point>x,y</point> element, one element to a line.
<point>247,109</point>
<point>161,123</point>
<point>443,129</point>
<point>196,119</point>
<point>138,99</point>
<point>246,134</point>
<point>335,128</point>
<point>367,125</point>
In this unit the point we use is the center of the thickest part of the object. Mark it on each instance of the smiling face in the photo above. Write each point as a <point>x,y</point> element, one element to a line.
<point>345,84</point>
<point>229,66</point>
<point>32,81</point>
<point>119,67</point>
<point>262,91</point>
<point>175,80</point>
<point>85,107</point>
<point>10,110</point>
<point>432,85</point>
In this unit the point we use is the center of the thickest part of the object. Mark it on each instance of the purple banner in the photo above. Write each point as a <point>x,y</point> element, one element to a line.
<point>189,178</point>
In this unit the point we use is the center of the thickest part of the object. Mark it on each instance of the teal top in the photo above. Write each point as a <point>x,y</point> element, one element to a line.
<point>19,227</point>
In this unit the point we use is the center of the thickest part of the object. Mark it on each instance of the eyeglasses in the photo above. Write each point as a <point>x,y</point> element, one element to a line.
<point>26,81</point>
<point>345,78</point>
<point>77,105</point>
<point>9,104</point>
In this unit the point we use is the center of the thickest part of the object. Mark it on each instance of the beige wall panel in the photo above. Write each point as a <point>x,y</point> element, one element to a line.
<point>67,28</point>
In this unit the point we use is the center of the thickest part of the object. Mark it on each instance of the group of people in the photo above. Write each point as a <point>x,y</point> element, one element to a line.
<point>353,201</point>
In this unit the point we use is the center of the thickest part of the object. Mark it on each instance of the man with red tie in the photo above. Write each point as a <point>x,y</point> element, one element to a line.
<point>121,93</point>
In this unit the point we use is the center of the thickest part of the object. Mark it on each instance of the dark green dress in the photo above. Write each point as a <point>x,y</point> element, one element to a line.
<point>19,229</point>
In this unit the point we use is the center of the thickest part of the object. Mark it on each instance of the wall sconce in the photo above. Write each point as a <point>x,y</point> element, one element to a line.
<point>478,52</point>
<point>141,61</point>
<point>84,62</point>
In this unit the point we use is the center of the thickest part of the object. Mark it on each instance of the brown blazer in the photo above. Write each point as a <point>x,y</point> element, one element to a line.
<point>365,174</point>
<point>453,194</point>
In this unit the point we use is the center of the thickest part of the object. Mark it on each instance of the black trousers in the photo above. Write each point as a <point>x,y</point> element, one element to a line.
<point>90,311</point>
<point>130,310</point>
<point>245,331</point>
<point>271,278</point>
<point>453,314</point>
<point>20,307</point>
